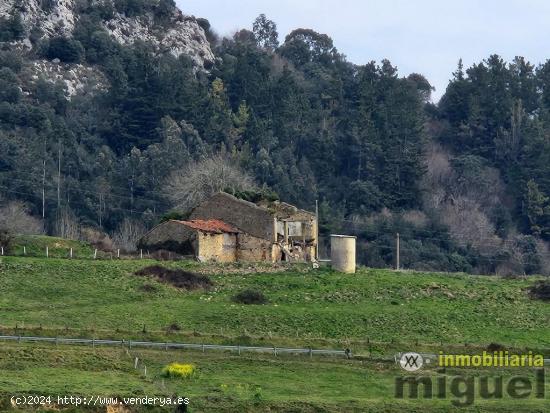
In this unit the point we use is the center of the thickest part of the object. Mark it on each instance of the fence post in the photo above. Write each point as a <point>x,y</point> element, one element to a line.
<point>93,343</point>
<point>47,252</point>
<point>71,253</point>
<point>2,250</point>
<point>136,363</point>
<point>203,348</point>
<point>140,254</point>
<point>275,350</point>
<point>24,250</point>
<point>239,349</point>
<point>145,371</point>
<point>118,253</point>
<point>95,253</point>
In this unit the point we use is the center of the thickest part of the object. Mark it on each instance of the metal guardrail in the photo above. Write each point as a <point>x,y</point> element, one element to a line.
<point>168,345</point>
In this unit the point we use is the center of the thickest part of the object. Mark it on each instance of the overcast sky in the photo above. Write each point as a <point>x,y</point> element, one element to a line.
<point>425,36</point>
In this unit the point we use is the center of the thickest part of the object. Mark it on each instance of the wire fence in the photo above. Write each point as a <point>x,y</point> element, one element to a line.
<point>130,344</point>
<point>86,254</point>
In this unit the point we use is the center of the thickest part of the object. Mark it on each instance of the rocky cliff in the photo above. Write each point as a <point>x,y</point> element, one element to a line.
<point>180,34</point>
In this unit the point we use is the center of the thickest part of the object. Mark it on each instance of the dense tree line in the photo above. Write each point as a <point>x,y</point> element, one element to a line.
<point>296,118</point>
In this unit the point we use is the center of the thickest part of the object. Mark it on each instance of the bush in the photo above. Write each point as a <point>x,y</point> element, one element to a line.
<point>177,278</point>
<point>62,48</point>
<point>96,238</point>
<point>16,219</point>
<point>131,8</point>
<point>11,28</point>
<point>250,297</point>
<point>541,290</point>
<point>6,239</point>
<point>164,10</point>
<point>9,86</point>
<point>173,215</point>
<point>179,370</point>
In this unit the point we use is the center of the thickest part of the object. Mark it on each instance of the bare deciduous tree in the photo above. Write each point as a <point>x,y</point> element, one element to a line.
<point>67,225</point>
<point>128,234</point>
<point>15,218</point>
<point>199,180</point>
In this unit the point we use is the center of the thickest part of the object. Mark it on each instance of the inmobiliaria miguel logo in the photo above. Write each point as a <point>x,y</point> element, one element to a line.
<point>462,389</point>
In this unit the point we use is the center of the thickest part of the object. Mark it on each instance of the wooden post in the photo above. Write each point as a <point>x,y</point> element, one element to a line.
<point>71,253</point>
<point>397,252</point>
<point>118,253</point>
<point>47,252</point>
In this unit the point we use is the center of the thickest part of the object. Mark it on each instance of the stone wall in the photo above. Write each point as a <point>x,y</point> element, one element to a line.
<point>171,236</point>
<point>251,248</point>
<point>217,247</point>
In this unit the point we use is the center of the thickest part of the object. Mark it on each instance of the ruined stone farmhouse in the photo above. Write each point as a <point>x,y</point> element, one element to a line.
<point>225,229</point>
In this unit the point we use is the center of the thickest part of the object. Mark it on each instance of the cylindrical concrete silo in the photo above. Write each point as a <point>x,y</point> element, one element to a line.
<point>342,253</point>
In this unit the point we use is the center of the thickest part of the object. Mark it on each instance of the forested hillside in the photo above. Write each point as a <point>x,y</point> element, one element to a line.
<point>100,134</point>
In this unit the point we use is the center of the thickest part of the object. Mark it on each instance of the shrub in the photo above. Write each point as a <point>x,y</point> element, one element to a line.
<point>164,10</point>
<point>16,219</point>
<point>495,347</point>
<point>179,370</point>
<point>131,8</point>
<point>11,28</point>
<point>174,327</point>
<point>250,297</point>
<point>65,49</point>
<point>179,216</point>
<point>541,290</point>
<point>177,278</point>
<point>6,239</point>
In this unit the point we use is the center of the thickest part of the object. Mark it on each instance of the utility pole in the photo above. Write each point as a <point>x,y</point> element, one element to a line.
<point>43,189</point>
<point>397,252</point>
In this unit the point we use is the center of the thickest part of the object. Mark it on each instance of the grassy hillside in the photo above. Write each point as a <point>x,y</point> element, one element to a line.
<point>100,298</point>
<point>375,312</point>
<point>35,246</point>
<point>227,382</point>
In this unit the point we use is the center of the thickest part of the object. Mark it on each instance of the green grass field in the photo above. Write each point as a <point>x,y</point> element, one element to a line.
<point>374,312</point>
<point>35,246</point>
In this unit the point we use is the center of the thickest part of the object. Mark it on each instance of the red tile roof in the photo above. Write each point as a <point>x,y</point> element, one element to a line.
<point>214,226</point>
